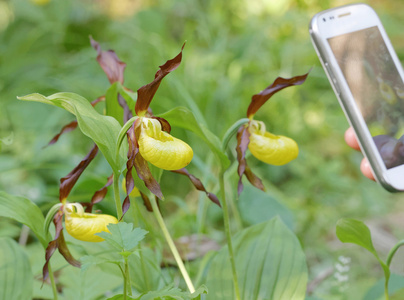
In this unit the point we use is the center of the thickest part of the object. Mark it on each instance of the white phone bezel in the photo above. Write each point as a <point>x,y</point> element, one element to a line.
<point>339,21</point>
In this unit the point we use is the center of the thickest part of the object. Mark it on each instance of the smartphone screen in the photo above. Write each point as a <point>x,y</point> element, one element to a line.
<point>377,88</point>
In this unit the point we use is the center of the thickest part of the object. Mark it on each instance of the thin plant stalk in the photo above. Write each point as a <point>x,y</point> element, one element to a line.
<point>228,235</point>
<point>171,244</point>
<point>53,283</point>
<point>116,196</point>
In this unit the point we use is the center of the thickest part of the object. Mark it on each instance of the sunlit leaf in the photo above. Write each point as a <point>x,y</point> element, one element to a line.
<point>270,264</point>
<point>103,130</point>
<point>122,236</point>
<point>16,278</point>
<point>279,84</point>
<point>146,93</point>
<point>184,118</point>
<point>356,232</point>
<point>109,62</point>
<point>24,211</point>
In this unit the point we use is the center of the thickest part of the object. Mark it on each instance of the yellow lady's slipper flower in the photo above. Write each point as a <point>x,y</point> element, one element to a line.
<point>162,149</point>
<point>269,148</point>
<point>83,226</point>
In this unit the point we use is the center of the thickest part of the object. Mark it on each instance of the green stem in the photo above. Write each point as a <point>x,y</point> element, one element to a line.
<point>393,251</point>
<point>116,196</point>
<point>127,278</point>
<point>171,244</point>
<point>125,283</point>
<point>52,279</point>
<point>228,234</point>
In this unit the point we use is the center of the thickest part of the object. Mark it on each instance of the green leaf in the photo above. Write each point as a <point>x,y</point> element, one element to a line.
<point>356,232</point>
<point>16,279</point>
<point>121,297</point>
<point>396,286</point>
<point>270,264</point>
<point>184,118</point>
<point>256,206</point>
<point>122,236</point>
<point>172,293</point>
<point>112,106</point>
<point>24,211</point>
<point>103,130</point>
<point>93,260</point>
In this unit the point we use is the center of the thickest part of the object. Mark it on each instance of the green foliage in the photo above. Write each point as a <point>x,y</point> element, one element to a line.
<point>24,211</point>
<point>167,293</point>
<point>16,278</point>
<point>122,236</point>
<point>103,130</point>
<point>269,261</point>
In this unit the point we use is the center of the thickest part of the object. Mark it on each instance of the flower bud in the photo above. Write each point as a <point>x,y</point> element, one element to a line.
<point>161,149</point>
<point>83,226</point>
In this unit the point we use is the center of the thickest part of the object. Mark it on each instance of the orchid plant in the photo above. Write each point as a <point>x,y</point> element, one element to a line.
<point>138,147</point>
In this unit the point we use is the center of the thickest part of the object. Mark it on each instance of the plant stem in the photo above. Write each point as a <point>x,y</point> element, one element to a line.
<point>228,234</point>
<point>116,196</point>
<point>52,279</point>
<point>127,279</point>
<point>171,244</point>
<point>393,251</point>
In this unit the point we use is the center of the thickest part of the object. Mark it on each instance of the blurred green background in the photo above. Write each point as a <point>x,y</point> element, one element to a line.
<point>234,49</point>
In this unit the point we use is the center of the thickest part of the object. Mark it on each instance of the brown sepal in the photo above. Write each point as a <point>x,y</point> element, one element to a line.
<point>146,93</point>
<point>279,84</point>
<point>67,128</point>
<point>72,125</point>
<point>146,202</point>
<point>253,179</point>
<point>198,185</point>
<point>136,160</point>
<point>67,182</point>
<point>109,62</point>
<point>165,126</point>
<point>127,114</point>
<point>98,195</point>
<point>58,243</point>
<point>243,139</point>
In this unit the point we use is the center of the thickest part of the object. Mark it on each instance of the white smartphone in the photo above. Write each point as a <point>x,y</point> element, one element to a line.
<point>367,78</point>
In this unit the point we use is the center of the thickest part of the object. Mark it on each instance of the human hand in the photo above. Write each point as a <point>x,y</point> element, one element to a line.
<point>351,140</point>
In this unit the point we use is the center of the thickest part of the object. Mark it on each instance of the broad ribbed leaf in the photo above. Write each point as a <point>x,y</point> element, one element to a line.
<point>24,211</point>
<point>103,130</point>
<point>270,264</point>
<point>182,117</point>
<point>16,277</point>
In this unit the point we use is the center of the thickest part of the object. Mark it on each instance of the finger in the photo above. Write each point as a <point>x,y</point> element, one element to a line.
<point>351,140</point>
<point>366,169</point>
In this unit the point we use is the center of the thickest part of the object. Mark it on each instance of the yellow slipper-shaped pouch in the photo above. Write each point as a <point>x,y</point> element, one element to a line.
<point>83,226</point>
<point>271,149</point>
<point>162,149</point>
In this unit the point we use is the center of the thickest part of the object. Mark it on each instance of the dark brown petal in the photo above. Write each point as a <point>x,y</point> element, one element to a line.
<point>146,202</point>
<point>98,195</point>
<point>165,126</point>
<point>127,114</point>
<point>67,128</point>
<point>109,62</point>
<point>136,160</point>
<point>198,185</point>
<point>58,242</point>
<point>67,182</point>
<point>279,84</point>
<point>72,125</point>
<point>253,179</point>
<point>243,139</point>
<point>146,93</point>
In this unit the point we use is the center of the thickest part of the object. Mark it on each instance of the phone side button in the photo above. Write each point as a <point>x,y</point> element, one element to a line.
<point>334,80</point>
